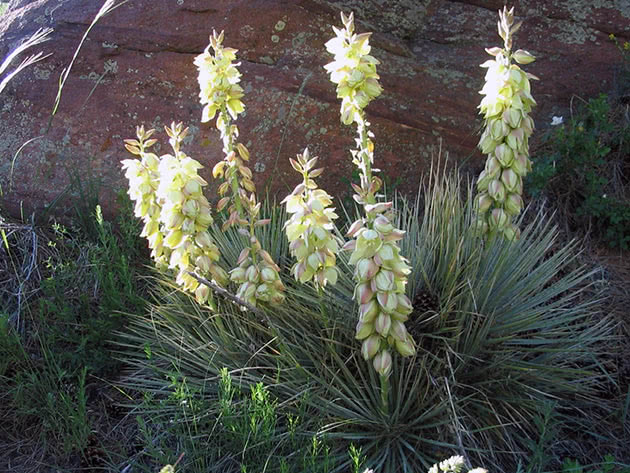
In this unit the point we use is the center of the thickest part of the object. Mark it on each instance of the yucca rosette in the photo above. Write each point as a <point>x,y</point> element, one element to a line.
<point>506,106</point>
<point>309,229</point>
<point>353,70</point>
<point>143,177</point>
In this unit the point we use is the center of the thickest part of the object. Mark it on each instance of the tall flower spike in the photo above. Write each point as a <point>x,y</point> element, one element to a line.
<point>309,230</point>
<point>220,93</point>
<point>175,211</point>
<point>506,106</point>
<point>144,178</point>
<point>353,70</point>
<point>380,271</point>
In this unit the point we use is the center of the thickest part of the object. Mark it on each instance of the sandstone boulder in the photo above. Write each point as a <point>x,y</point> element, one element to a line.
<point>137,68</point>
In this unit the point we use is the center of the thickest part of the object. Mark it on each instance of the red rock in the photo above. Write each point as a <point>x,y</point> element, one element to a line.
<point>137,68</point>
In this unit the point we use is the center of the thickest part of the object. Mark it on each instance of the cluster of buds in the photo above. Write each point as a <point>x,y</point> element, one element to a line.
<point>176,214</point>
<point>508,126</point>
<point>220,93</point>
<point>219,80</point>
<point>143,180</point>
<point>309,229</point>
<point>380,271</point>
<point>381,275</point>
<point>257,274</point>
<point>353,70</point>
<point>454,464</point>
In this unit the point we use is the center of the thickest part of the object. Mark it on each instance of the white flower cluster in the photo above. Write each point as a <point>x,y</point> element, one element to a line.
<point>380,271</point>
<point>309,229</point>
<point>143,177</point>
<point>505,107</point>
<point>256,273</point>
<point>168,195</point>
<point>454,464</point>
<point>353,70</point>
<point>258,276</point>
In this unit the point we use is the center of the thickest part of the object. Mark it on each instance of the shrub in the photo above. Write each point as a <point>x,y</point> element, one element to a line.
<point>583,168</point>
<point>508,334</point>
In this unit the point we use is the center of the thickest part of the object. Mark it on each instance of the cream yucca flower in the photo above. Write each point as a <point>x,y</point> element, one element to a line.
<point>219,79</point>
<point>353,70</point>
<point>178,214</point>
<point>309,229</point>
<point>454,464</point>
<point>506,106</point>
<point>143,177</point>
<point>220,93</point>
<point>257,274</point>
<point>380,271</point>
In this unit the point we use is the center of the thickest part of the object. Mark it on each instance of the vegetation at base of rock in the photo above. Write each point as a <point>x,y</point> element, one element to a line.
<point>583,166</point>
<point>475,349</point>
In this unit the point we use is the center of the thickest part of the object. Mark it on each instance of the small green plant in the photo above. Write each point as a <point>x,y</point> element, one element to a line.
<point>548,428</point>
<point>583,167</point>
<point>608,465</point>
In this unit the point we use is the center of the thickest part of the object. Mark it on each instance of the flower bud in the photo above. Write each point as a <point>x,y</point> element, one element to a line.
<point>385,281</point>
<point>523,57</point>
<point>509,179</point>
<point>370,347</point>
<point>484,202</point>
<point>382,324</point>
<point>504,154</point>
<point>406,347</point>
<point>368,311</point>
<point>363,330</point>
<point>383,225</point>
<point>496,190</point>
<point>498,218</point>
<point>383,363</point>
<point>513,204</point>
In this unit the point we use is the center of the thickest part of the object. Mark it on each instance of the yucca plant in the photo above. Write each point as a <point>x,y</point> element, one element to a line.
<point>515,324</point>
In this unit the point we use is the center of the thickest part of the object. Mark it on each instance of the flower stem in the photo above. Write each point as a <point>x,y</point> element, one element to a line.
<point>384,394</point>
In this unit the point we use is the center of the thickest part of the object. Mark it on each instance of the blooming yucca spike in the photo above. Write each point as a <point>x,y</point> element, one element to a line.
<point>309,229</point>
<point>505,139</point>
<point>169,198</point>
<point>380,271</point>
<point>220,93</point>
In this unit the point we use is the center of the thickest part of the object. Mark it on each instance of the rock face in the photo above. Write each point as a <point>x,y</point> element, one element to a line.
<point>137,68</point>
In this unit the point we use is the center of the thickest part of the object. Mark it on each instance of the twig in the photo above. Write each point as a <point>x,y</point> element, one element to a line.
<point>219,290</point>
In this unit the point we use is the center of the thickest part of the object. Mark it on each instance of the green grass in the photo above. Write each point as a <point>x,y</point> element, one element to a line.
<point>81,285</point>
<point>4,6</point>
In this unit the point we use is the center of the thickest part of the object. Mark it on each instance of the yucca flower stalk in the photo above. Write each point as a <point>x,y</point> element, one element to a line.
<point>309,229</point>
<point>508,126</point>
<point>144,179</point>
<point>169,198</point>
<point>220,93</point>
<point>380,271</point>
